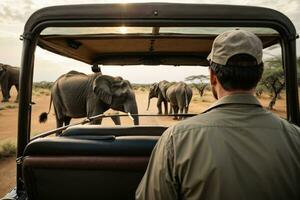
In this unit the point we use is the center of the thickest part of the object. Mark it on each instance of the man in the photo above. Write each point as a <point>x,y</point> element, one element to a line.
<point>235,149</point>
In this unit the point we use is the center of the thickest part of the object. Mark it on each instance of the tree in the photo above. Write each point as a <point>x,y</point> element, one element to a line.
<point>272,80</point>
<point>201,88</point>
<point>200,78</point>
<point>201,84</point>
<point>259,89</point>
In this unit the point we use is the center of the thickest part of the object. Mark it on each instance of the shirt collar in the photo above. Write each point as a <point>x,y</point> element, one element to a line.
<point>246,99</point>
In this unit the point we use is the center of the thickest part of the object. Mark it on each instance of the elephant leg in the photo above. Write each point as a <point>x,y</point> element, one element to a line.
<point>171,110</point>
<point>95,112</point>
<point>159,101</point>
<point>5,90</point>
<point>116,120</point>
<point>186,109</point>
<point>6,96</point>
<point>59,119</point>
<point>17,99</point>
<point>175,109</point>
<point>8,92</point>
<point>181,112</point>
<point>67,120</point>
<point>5,99</point>
<point>166,107</point>
<point>97,121</point>
<point>59,123</point>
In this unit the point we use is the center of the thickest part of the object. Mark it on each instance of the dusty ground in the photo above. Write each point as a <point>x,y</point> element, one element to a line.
<point>8,123</point>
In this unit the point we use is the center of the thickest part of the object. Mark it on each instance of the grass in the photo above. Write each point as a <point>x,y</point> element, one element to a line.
<point>40,91</point>
<point>7,150</point>
<point>41,88</point>
<point>43,85</point>
<point>141,87</point>
<point>4,106</point>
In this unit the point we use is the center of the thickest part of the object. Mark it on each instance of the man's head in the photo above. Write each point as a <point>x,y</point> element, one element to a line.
<point>235,62</point>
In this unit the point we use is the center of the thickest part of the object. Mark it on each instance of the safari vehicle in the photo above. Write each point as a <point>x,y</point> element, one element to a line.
<point>95,162</point>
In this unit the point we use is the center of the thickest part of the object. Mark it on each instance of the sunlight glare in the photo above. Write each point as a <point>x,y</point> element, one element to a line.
<point>123,29</point>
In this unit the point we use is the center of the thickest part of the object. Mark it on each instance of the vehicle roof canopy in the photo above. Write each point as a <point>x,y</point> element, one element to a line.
<point>154,47</point>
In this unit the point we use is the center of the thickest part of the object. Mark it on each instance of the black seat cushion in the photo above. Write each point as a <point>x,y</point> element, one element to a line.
<point>103,145</point>
<point>115,130</point>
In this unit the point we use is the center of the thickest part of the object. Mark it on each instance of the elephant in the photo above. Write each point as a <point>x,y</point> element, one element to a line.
<point>77,95</point>
<point>178,94</point>
<point>9,76</point>
<point>158,90</point>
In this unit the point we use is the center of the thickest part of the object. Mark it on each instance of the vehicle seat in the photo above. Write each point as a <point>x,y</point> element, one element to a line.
<point>92,130</point>
<point>104,167</point>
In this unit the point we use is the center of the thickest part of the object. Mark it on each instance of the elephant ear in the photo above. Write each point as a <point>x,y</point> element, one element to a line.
<point>128,83</point>
<point>2,71</point>
<point>154,88</point>
<point>163,86</point>
<point>101,87</point>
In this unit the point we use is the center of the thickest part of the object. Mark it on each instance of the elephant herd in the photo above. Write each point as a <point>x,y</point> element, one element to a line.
<point>178,94</point>
<point>76,95</point>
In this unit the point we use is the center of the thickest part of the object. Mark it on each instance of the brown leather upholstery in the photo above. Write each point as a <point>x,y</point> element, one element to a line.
<point>68,168</point>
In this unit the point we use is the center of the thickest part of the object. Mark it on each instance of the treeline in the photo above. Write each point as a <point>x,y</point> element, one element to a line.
<point>48,85</point>
<point>42,84</point>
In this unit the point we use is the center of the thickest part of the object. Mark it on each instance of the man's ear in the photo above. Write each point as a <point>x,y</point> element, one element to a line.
<point>213,78</point>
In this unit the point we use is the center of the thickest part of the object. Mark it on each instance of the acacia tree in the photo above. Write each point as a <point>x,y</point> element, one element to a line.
<point>201,84</point>
<point>272,80</point>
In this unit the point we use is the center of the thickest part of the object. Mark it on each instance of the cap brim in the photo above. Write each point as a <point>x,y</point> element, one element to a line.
<point>209,57</point>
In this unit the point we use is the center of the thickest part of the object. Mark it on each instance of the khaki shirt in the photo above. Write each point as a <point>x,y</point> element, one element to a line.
<point>235,150</point>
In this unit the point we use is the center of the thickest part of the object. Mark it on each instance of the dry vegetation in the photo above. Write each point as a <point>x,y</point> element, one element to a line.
<point>7,149</point>
<point>8,105</point>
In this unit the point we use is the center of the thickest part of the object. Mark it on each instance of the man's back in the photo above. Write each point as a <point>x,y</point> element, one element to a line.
<point>236,150</point>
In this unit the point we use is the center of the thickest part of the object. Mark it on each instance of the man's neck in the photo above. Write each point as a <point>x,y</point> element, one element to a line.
<point>223,93</point>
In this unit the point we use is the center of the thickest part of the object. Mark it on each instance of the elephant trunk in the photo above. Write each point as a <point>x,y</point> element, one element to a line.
<point>149,98</point>
<point>131,107</point>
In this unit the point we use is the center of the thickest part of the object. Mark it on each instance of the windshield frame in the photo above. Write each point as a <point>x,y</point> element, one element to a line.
<point>209,18</point>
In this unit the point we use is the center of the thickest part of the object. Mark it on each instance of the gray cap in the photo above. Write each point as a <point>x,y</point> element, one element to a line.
<point>234,42</point>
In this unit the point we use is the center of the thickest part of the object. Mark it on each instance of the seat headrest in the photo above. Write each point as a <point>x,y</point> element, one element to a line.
<point>109,145</point>
<point>114,130</point>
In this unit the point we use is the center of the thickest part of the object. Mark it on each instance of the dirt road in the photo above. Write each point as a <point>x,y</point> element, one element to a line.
<point>9,116</point>
<point>7,175</point>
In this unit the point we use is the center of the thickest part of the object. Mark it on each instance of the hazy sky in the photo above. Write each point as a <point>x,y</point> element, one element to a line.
<point>48,66</point>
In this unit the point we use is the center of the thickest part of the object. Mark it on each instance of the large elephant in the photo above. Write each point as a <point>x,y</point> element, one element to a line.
<point>77,95</point>
<point>9,76</point>
<point>179,96</point>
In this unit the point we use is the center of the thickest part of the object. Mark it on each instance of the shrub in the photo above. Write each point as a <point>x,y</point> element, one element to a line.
<point>7,149</point>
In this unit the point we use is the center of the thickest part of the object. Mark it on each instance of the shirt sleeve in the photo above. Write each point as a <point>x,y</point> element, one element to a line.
<point>159,181</point>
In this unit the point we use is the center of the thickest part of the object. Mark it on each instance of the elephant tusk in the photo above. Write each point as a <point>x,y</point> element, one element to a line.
<point>130,116</point>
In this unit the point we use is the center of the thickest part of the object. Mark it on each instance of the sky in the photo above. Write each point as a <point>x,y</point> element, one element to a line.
<point>48,66</point>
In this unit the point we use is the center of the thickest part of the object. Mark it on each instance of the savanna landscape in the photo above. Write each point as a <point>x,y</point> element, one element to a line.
<point>41,98</point>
